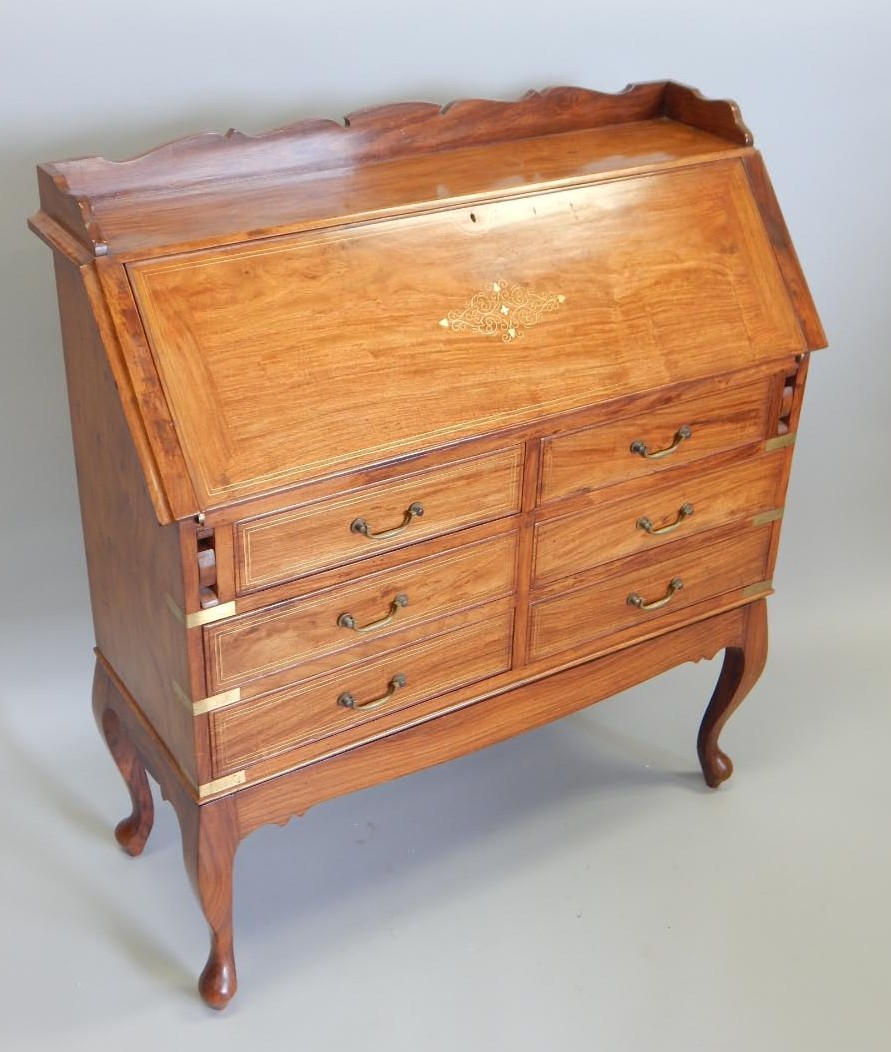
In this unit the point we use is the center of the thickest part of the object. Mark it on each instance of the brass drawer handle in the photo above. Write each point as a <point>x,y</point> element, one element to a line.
<point>348,621</point>
<point>643,523</point>
<point>413,511</point>
<point>674,585</point>
<point>348,701</point>
<point>683,432</point>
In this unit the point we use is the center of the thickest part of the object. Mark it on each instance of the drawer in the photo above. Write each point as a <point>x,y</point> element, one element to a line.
<point>256,730</point>
<point>282,636</point>
<point>680,503</point>
<point>681,428</point>
<point>603,609</point>
<point>377,518</point>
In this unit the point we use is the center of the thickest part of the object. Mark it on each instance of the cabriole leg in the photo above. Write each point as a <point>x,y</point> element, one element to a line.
<point>133,831</point>
<point>743,664</point>
<point>210,839</point>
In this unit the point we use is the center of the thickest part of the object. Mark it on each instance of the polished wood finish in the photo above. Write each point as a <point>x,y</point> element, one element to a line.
<point>296,542</point>
<point>608,526</point>
<point>720,415</point>
<point>133,831</point>
<point>359,414</point>
<point>786,256</point>
<point>663,320</point>
<point>743,664</point>
<point>133,564</point>
<point>383,159</point>
<point>469,727</point>
<point>253,731</point>
<point>602,608</point>
<point>277,638</point>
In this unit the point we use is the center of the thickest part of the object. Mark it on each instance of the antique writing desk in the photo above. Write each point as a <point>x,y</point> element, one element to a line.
<point>400,436</point>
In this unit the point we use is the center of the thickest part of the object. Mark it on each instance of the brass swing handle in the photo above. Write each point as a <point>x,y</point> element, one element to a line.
<point>674,585</point>
<point>348,621</point>
<point>683,432</point>
<point>413,511</point>
<point>348,701</point>
<point>643,523</point>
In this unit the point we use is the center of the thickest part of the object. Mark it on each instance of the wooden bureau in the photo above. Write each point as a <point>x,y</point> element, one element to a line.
<point>398,437</point>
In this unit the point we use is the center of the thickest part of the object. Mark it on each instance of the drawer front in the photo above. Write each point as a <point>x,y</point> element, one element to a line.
<point>678,430</point>
<point>256,730</point>
<point>605,608</point>
<point>681,503</point>
<point>280,637</point>
<point>391,514</point>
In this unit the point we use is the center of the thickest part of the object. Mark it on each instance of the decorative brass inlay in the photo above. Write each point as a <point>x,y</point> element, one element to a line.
<point>215,701</point>
<point>219,784</point>
<point>503,310</point>
<point>780,442</point>
<point>201,617</point>
<point>767,516</point>
<point>758,588</point>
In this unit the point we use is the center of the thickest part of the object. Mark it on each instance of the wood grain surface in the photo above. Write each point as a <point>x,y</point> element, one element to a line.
<point>293,543</point>
<point>719,417</point>
<point>260,729</point>
<point>359,411</point>
<point>609,527</point>
<point>678,274</point>
<point>284,635</point>
<point>602,608</point>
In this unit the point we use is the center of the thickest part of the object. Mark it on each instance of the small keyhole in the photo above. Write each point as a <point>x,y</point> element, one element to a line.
<point>472,217</point>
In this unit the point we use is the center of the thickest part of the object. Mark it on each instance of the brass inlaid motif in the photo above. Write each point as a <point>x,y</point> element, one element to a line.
<point>503,310</point>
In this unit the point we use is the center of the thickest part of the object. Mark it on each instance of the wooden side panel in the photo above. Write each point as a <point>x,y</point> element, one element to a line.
<point>133,563</point>
<point>518,309</point>
<point>786,255</point>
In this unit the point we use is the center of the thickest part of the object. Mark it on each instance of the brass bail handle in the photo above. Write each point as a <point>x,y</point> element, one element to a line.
<point>348,621</point>
<point>413,511</point>
<point>643,523</point>
<point>348,701</point>
<point>674,585</point>
<point>681,435</point>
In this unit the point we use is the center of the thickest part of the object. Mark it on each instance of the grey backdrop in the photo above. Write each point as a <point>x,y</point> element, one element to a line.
<point>110,78</point>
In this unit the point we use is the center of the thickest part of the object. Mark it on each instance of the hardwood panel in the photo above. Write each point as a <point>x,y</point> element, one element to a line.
<point>603,609</point>
<point>133,563</point>
<point>204,186</point>
<point>299,541</point>
<point>720,416</point>
<point>506,306</point>
<point>786,255</point>
<point>528,434</point>
<point>256,730</point>
<point>609,527</point>
<point>282,636</point>
<point>477,724</point>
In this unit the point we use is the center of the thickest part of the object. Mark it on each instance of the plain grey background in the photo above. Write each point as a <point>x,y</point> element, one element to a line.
<point>575,888</point>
